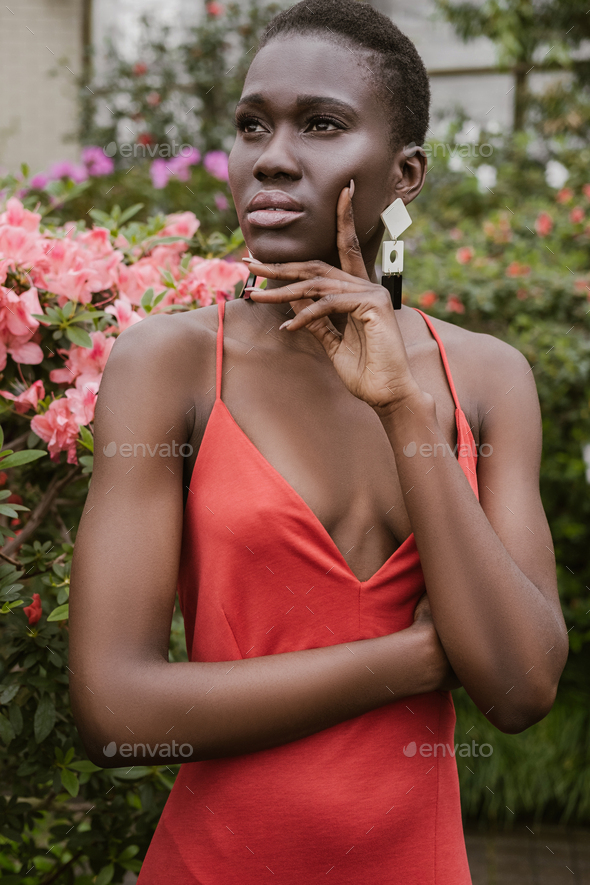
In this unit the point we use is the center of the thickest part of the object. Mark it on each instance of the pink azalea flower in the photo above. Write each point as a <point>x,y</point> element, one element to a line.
<point>78,265</point>
<point>122,310</point>
<point>17,327</point>
<point>85,365</point>
<point>19,246</point>
<point>81,402</point>
<point>59,429</point>
<point>28,398</point>
<point>218,273</point>
<point>181,224</point>
<point>136,278</point>
<point>216,164</point>
<point>577,215</point>
<point>215,9</point>
<point>17,216</point>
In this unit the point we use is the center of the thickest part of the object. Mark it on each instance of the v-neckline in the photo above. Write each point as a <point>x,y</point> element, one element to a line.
<point>304,505</point>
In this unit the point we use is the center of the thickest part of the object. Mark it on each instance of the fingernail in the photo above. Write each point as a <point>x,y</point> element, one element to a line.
<point>253,289</point>
<point>247,259</point>
<point>351,188</point>
<point>285,325</point>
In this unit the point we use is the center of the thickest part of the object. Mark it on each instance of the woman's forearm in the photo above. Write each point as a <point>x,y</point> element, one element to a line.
<point>236,707</point>
<point>498,630</point>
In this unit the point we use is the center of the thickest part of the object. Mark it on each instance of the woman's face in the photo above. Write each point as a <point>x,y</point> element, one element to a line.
<point>309,120</point>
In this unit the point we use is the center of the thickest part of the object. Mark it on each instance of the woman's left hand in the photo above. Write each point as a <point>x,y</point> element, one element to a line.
<point>370,357</point>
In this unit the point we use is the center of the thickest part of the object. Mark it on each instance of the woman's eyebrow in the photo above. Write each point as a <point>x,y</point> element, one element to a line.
<point>309,101</point>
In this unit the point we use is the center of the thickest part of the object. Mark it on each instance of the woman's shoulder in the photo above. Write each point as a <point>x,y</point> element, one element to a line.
<point>483,367</point>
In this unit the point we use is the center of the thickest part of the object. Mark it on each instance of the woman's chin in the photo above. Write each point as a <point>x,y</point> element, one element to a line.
<point>272,248</point>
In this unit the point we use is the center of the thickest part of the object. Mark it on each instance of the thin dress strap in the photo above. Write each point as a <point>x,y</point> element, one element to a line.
<point>219,350</point>
<point>443,355</point>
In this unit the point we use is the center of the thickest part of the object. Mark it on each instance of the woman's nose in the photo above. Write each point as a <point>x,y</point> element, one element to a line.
<point>278,158</point>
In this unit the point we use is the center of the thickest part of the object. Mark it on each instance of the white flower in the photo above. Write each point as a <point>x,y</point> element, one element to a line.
<point>494,127</point>
<point>456,163</point>
<point>486,176</point>
<point>556,174</point>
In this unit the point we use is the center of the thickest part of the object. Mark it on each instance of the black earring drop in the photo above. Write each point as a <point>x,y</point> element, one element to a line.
<point>251,281</point>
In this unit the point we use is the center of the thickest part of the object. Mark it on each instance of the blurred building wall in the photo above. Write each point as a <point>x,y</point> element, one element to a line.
<point>38,39</point>
<point>41,50</point>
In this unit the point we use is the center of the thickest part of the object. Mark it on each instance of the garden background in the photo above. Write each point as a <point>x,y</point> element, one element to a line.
<point>500,243</point>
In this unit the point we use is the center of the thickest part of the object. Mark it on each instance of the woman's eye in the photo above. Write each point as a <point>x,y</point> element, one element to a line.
<point>323,124</point>
<point>248,124</point>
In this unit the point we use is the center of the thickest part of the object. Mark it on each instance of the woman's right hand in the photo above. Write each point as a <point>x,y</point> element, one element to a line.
<point>446,678</point>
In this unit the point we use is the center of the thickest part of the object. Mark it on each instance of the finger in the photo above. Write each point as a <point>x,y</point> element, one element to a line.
<point>294,270</point>
<point>316,288</point>
<point>349,250</point>
<point>336,303</point>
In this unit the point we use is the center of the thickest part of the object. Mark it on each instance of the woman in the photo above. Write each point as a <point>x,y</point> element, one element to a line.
<point>321,498</point>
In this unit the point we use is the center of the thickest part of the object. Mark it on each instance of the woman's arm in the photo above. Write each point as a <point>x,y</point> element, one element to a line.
<point>489,567</point>
<point>123,585</point>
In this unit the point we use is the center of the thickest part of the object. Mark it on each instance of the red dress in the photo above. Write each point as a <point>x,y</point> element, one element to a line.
<point>260,575</point>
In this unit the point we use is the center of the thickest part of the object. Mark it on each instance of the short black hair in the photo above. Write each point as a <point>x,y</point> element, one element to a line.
<point>393,58</point>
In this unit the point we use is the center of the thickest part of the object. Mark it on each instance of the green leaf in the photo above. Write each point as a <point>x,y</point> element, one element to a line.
<point>79,336</point>
<point>68,309</point>
<point>70,781</point>
<point>85,765</point>
<point>20,458</point>
<point>7,693</point>
<point>146,298</point>
<point>128,853</point>
<point>44,718</point>
<point>87,438</point>
<point>16,718</point>
<point>6,730</point>
<point>1,437</point>
<point>105,875</point>
<point>8,511</point>
<point>61,613</point>
<point>87,315</point>
<point>129,213</point>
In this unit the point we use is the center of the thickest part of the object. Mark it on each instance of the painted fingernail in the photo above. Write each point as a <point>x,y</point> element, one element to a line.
<point>351,188</point>
<point>285,325</point>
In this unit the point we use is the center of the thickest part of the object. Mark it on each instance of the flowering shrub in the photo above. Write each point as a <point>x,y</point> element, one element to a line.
<point>66,293</point>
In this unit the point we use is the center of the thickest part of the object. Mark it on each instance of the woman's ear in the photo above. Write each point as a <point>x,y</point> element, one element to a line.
<point>408,173</point>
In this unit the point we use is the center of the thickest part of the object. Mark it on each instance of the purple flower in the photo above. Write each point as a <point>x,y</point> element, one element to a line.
<point>159,173</point>
<point>96,161</point>
<point>215,162</point>
<point>66,169</point>
<point>221,201</point>
<point>39,181</point>
<point>161,169</point>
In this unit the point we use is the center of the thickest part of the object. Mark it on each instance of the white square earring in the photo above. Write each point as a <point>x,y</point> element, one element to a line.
<point>396,219</point>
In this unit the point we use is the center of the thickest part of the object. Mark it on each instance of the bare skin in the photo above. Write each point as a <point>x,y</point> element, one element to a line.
<point>336,432</point>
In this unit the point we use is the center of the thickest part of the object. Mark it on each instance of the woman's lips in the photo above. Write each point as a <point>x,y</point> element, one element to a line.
<point>272,217</point>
